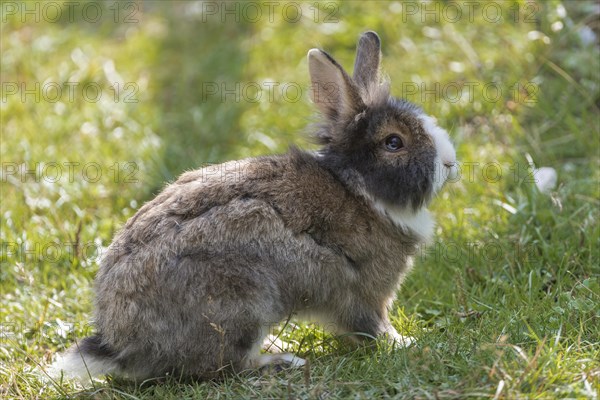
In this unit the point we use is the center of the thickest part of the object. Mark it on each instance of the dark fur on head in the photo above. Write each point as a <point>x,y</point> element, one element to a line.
<point>352,135</point>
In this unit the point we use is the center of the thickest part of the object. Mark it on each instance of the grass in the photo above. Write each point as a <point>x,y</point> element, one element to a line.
<point>505,302</point>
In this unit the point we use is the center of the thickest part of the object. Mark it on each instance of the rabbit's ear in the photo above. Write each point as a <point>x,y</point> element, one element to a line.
<point>366,66</point>
<point>332,90</point>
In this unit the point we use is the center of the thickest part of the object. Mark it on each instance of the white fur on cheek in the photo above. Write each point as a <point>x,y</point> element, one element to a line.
<point>445,163</point>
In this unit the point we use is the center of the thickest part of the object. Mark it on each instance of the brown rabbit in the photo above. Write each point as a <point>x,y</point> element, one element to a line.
<point>198,276</point>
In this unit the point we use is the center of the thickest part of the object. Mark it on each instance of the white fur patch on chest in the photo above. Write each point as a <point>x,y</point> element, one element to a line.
<point>420,223</point>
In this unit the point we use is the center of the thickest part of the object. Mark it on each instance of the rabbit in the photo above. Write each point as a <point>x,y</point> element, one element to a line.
<point>194,281</point>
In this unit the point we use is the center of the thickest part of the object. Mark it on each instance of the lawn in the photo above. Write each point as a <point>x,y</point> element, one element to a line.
<point>102,103</point>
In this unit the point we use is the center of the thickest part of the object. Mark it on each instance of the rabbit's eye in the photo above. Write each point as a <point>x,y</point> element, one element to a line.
<point>393,143</point>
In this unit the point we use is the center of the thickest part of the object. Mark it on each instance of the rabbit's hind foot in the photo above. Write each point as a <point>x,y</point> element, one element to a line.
<point>276,360</point>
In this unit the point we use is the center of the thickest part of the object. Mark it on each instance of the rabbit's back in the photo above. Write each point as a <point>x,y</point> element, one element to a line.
<point>224,253</point>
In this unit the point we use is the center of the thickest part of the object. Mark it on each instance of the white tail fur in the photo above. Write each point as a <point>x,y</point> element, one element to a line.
<point>74,364</point>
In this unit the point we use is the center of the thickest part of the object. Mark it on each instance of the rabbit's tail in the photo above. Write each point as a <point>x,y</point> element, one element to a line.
<point>85,360</point>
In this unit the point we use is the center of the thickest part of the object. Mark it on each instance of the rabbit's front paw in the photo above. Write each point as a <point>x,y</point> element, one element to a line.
<point>398,340</point>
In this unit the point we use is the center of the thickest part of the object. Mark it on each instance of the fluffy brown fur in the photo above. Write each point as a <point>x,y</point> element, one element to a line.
<point>195,279</point>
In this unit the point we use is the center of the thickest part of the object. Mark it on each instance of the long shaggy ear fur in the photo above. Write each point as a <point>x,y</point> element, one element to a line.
<point>367,70</point>
<point>340,98</point>
<point>332,90</point>
<point>366,65</point>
